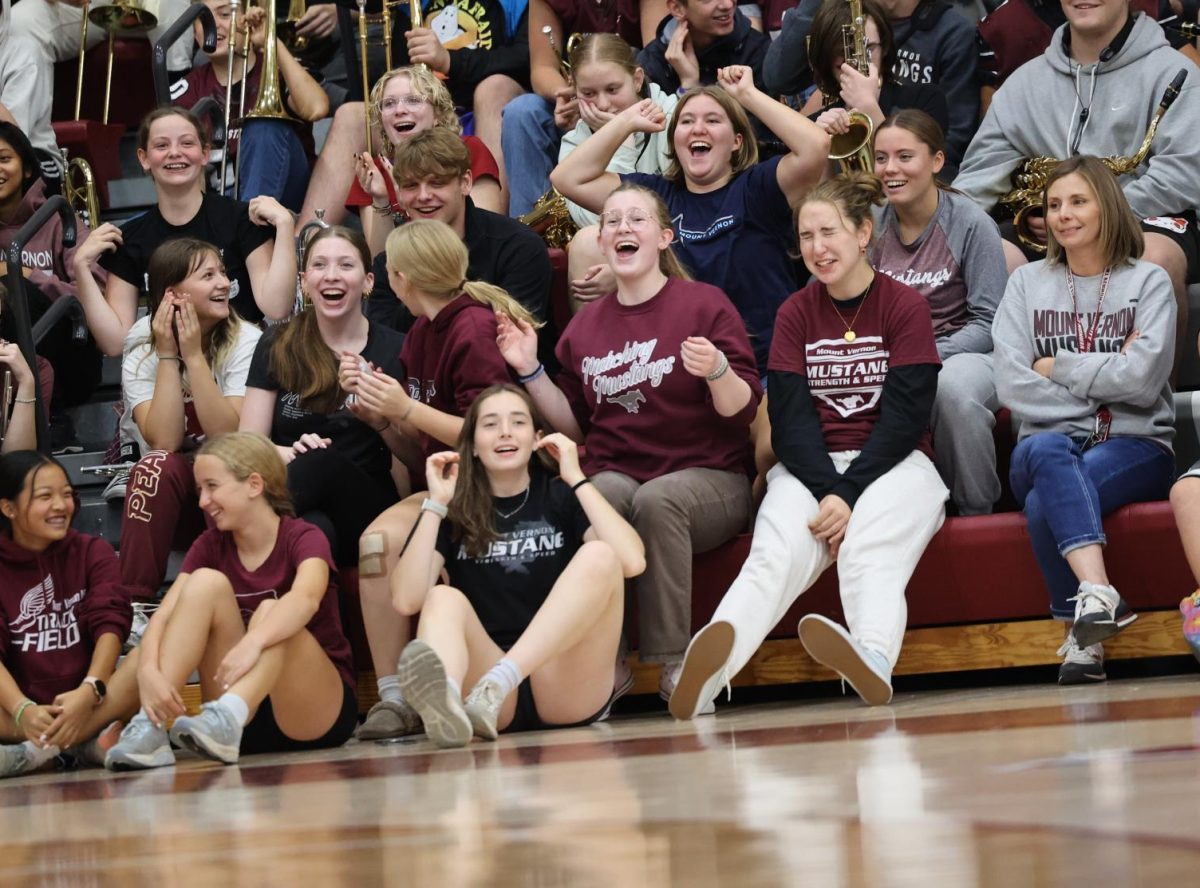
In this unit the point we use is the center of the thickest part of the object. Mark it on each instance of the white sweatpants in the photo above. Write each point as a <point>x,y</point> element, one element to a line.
<point>55,28</point>
<point>890,525</point>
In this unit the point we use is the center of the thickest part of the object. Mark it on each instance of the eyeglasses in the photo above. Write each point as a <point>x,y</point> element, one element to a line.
<point>391,103</point>
<point>634,219</point>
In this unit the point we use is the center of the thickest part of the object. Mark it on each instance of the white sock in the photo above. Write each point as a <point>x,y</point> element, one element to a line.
<point>454,687</point>
<point>237,706</point>
<point>389,688</point>
<point>39,755</point>
<point>506,675</point>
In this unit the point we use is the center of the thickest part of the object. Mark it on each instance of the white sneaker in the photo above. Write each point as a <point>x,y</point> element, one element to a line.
<point>117,485</point>
<point>668,680</point>
<point>702,674</point>
<point>1100,613</point>
<point>867,671</point>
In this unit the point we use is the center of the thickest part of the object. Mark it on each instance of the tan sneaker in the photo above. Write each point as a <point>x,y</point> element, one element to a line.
<point>386,720</point>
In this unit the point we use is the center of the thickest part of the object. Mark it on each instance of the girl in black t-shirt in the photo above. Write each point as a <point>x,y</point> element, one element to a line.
<point>531,616</point>
<point>338,451</point>
<point>255,239</point>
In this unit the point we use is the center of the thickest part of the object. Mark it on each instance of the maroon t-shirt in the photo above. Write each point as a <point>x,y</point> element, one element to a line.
<point>892,328</point>
<point>620,17</point>
<point>641,412</point>
<point>448,361</point>
<point>296,542</point>
<point>482,166</point>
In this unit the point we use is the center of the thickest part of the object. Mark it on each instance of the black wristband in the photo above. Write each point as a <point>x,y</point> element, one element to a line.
<point>578,484</point>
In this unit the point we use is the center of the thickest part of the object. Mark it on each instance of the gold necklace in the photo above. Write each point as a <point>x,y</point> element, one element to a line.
<point>850,335</point>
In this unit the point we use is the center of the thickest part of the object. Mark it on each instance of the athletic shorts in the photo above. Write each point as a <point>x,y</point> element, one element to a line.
<point>263,734</point>
<point>1193,472</point>
<point>526,717</point>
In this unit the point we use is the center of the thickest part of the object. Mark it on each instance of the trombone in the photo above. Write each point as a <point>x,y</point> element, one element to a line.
<point>384,18</point>
<point>122,17</point>
<point>79,188</point>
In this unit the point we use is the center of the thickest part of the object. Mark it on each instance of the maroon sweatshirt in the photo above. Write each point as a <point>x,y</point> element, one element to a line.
<point>451,359</point>
<point>641,412</point>
<point>55,606</point>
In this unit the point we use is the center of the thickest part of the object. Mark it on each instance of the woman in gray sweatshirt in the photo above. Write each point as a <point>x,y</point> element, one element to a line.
<point>1083,352</point>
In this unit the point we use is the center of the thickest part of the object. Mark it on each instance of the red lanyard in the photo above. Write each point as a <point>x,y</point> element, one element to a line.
<point>1087,340</point>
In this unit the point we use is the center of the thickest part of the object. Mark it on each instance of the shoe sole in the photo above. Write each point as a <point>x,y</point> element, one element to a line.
<point>1083,678</point>
<point>706,656</point>
<point>482,727</point>
<point>366,732</point>
<point>1090,633</point>
<point>829,647</point>
<point>160,758</point>
<point>423,683</point>
<point>203,745</point>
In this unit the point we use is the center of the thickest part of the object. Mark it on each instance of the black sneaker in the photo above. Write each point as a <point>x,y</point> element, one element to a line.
<point>1100,613</point>
<point>1081,665</point>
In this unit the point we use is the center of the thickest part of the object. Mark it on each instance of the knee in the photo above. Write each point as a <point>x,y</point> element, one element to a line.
<point>440,600</point>
<point>1013,257</point>
<point>373,553</point>
<point>1185,494</point>
<point>346,117</point>
<point>600,559</point>
<point>1035,447</point>
<point>206,583</point>
<point>655,501</point>
<point>493,93</point>
<point>586,239</point>
<point>1166,254</point>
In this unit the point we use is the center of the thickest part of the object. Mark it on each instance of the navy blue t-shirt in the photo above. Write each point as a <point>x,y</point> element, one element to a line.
<point>737,238</point>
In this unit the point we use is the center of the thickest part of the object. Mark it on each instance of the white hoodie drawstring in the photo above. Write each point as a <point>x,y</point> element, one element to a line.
<point>1083,117</point>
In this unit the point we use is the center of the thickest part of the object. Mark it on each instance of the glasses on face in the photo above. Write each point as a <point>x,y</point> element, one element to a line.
<point>633,218</point>
<point>391,103</point>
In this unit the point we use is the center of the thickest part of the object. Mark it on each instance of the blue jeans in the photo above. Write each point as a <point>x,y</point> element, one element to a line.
<point>272,162</point>
<point>1066,490</point>
<point>530,141</point>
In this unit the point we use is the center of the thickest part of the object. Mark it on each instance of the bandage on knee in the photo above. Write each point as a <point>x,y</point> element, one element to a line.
<point>372,554</point>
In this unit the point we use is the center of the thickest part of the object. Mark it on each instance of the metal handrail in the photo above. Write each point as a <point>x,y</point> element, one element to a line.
<point>162,85</point>
<point>19,302</point>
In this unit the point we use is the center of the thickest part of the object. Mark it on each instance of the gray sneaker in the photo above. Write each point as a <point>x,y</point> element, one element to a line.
<point>483,708</point>
<point>703,674</point>
<point>868,672</point>
<point>142,745</point>
<point>214,733</point>
<point>23,758</point>
<point>117,485</point>
<point>387,719</point>
<point>423,683</point>
<point>1081,665</point>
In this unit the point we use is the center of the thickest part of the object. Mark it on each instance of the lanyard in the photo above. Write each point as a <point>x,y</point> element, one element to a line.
<point>1087,340</point>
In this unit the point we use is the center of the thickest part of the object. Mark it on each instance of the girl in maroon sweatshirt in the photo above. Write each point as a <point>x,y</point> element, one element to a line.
<point>659,381</point>
<point>65,615</point>
<point>449,357</point>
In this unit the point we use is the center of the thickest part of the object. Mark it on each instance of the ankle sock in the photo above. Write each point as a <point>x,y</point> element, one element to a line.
<point>39,756</point>
<point>389,688</point>
<point>454,687</point>
<point>506,675</point>
<point>237,706</point>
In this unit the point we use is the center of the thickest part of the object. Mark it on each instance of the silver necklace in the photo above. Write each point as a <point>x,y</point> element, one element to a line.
<point>524,500</point>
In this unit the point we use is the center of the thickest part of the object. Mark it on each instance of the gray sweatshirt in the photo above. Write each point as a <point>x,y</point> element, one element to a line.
<point>1035,320</point>
<point>1038,111</point>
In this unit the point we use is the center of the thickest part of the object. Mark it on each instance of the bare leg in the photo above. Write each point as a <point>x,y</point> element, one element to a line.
<point>1167,254</point>
<point>1013,257</point>
<point>379,550</point>
<point>333,173</point>
<point>203,627</point>
<point>1185,502</point>
<point>491,95</point>
<point>1087,562</point>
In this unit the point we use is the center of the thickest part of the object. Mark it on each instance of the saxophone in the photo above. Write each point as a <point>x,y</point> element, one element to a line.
<point>852,150</point>
<point>1029,179</point>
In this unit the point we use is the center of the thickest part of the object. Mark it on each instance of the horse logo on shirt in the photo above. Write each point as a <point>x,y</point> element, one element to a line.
<point>630,400</point>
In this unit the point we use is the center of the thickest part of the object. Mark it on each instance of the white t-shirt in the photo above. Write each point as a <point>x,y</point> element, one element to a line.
<point>139,365</point>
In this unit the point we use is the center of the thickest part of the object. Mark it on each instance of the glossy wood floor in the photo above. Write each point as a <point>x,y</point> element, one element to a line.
<point>996,787</point>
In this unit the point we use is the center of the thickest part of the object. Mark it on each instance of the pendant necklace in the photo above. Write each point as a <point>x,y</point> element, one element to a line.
<point>850,335</point>
<point>524,500</point>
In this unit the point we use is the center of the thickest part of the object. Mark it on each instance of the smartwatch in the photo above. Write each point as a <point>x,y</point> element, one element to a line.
<point>98,688</point>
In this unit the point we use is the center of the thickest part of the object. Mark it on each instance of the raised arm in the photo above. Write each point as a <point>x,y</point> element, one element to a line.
<point>22,432</point>
<point>272,266</point>
<point>420,563</point>
<point>517,342</point>
<point>111,313</point>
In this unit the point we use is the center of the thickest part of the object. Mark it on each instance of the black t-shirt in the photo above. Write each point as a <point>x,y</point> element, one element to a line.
<point>361,444</point>
<point>508,584</point>
<point>223,222</point>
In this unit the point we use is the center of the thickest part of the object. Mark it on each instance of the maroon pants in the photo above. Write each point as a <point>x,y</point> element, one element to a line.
<point>160,507</point>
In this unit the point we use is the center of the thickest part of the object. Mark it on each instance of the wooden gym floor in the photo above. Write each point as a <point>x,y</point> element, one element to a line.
<point>1032,785</point>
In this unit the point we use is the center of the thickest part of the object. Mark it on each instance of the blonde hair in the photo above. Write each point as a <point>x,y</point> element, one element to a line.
<point>424,84</point>
<point>742,159</point>
<point>434,259</point>
<point>668,262</point>
<point>851,194</point>
<point>249,453</point>
<point>1121,238</point>
<point>596,49</point>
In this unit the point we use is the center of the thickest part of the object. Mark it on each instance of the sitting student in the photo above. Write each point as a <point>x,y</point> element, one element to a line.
<point>404,102</point>
<point>277,154</point>
<point>699,38</point>
<point>934,46</point>
<point>21,432</point>
<point>25,102</point>
<point>65,616</point>
<point>259,259</point>
<point>1083,351</point>
<point>532,636</point>
<point>449,357</point>
<point>660,355</point>
<point>337,454</point>
<point>850,447</point>
<point>533,123</point>
<point>942,245</point>
<point>183,376</point>
<point>277,671</point>
<point>722,203</point>
<point>433,182</point>
<point>607,81</point>
<point>48,264</point>
<point>841,88</point>
<point>1123,65</point>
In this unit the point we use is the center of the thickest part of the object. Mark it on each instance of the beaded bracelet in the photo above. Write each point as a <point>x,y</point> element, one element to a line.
<point>722,366</point>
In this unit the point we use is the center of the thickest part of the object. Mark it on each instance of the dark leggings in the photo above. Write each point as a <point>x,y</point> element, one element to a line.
<point>339,497</point>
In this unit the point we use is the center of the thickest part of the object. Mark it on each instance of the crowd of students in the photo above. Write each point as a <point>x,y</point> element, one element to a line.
<point>760,339</point>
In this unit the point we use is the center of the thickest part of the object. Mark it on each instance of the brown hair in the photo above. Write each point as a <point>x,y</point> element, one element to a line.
<point>471,508</point>
<point>431,152</point>
<point>927,131</point>
<point>424,84</point>
<point>299,359</point>
<point>172,263</point>
<point>743,158</point>
<point>825,44</point>
<point>249,453</point>
<point>601,48</point>
<point>668,262</point>
<point>852,195</point>
<point>1121,239</point>
<point>434,259</point>
<point>143,137</point>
